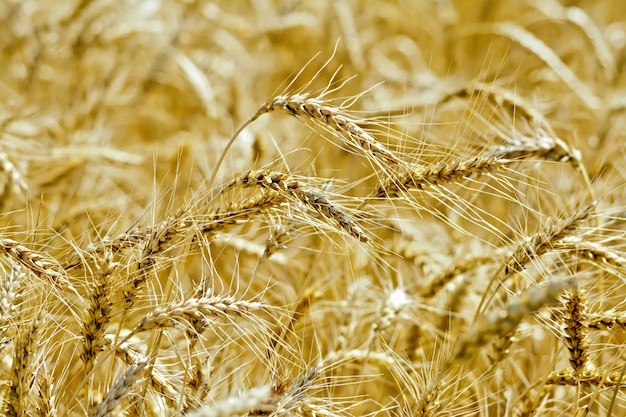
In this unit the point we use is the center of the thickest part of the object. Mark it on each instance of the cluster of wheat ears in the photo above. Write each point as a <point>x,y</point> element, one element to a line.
<point>324,208</point>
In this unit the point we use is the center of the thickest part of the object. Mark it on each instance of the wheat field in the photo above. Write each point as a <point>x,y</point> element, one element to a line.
<point>312,208</point>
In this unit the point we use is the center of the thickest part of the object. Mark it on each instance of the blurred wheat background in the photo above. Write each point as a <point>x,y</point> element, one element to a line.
<point>312,208</point>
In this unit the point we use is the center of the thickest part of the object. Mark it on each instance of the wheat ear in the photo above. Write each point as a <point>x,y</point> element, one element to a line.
<point>132,356</point>
<point>310,196</point>
<point>575,326</point>
<point>503,322</point>
<point>10,294</point>
<point>37,263</point>
<point>157,238</point>
<point>439,174</point>
<point>544,240</point>
<point>458,267</point>
<point>594,253</point>
<point>535,246</point>
<point>243,403</point>
<point>197,383</point>
<point>46,401</point>
<point>98,313</point>
<point>587,379</point>
<point>23,367</point>
<point>327,116</point>
<point>161,238</point>
<point>192,309</point>
<point>120,389</point>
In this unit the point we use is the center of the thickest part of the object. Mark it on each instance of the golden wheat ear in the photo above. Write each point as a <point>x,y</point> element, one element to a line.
<point>503,322</point>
